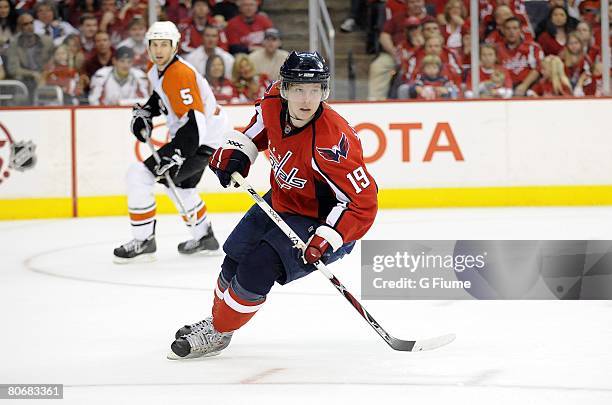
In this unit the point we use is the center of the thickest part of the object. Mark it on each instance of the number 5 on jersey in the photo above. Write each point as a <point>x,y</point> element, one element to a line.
<point>186,96</point>
<point>358,179</point>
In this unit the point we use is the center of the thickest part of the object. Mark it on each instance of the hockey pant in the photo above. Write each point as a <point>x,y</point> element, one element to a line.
<point>258,254</point>
<point>141,184</point>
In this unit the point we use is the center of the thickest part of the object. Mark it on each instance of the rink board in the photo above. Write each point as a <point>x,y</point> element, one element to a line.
<point>425,154</point>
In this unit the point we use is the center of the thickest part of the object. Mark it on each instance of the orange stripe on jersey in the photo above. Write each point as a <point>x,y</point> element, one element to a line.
<point>201,213</point>
<point>181,87</point>
<point>142,216</point>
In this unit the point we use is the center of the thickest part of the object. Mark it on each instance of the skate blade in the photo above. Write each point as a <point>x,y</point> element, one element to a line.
<point>143,258</point>
<point>203,253</point>
<point>191,356</point>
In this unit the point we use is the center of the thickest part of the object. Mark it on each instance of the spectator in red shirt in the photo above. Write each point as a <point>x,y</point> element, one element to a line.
<point>494,80</point>
<point>412,42</point>
<point>501,14</point>
<point>245,32</point>
<point>60,72</point>
<point>520,56</point>
<point>575,60</point>
<point>192,28</point>
<point>430,83</point>
<point>222,88</point>
<point>102,55</point>
<point>75,52</point>
<point>407,49</point>
<point>590,83</point>
<point>457,24</point>
<point>132,9</point>
<point>249,86</point>
<point>433,46</point>
<point>554,82</point>
<point>554,37</point>
<point>571,21</point>
<point>384,66</point>
<point>110,22</point>
<point>585,33</point>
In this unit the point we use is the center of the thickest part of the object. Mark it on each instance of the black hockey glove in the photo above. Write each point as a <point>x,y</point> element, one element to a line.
<point>225,162</point>
<point>142,122</point>
<point>170,164</point>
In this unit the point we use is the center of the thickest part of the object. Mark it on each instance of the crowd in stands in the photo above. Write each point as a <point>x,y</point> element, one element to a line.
<point>95,50</point>
<point>423,48</point>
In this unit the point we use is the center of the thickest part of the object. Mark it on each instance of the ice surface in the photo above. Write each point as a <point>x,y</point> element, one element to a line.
<point>71,316</point>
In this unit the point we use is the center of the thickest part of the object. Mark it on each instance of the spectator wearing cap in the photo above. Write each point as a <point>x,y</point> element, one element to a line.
<point>210,46</point>
<point>47,22</point>
<point>383,67</point>
<point>245,32</point>
<point>28,53</point>
<point>111,85</point>
<point>192,28</point>
<point>136,42</point>
<point>269,59</point>
<point>407,49</point>
<point>102,55</point>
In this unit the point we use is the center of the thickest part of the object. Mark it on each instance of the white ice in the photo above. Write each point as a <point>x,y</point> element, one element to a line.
<point>70,316</point>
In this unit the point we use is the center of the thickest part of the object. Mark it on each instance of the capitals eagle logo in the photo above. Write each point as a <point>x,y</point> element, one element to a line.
<point>336,152</point>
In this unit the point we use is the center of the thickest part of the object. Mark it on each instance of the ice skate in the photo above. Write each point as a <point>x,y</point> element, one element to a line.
<point>207,245</point>
<point>136,251</point>
<point>204,342</point>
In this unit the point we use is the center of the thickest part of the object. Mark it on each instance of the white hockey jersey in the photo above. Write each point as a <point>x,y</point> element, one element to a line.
<point>181,88</point>
<point>107,90</point>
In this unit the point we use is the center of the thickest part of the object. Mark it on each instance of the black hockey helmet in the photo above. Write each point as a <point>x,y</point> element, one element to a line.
<point>305,67</point>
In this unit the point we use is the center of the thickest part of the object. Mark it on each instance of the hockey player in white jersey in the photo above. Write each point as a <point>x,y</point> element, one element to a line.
<point>197,126</point>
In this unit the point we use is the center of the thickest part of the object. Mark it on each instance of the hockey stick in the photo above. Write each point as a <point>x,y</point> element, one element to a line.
<point>396,344</point>
<point>191,218</point>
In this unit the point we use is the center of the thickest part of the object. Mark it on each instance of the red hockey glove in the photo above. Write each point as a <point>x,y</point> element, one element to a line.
<point>227,161</point>
<point>237,154</point>
<point>324,238</point>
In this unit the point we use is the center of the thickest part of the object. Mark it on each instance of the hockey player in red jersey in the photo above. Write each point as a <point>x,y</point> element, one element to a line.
<point>319,185</point>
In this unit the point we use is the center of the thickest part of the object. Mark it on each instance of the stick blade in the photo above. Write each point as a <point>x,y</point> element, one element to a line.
<point>421,344</point>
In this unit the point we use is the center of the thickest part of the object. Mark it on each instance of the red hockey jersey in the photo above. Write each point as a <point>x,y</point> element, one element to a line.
<point>521,60</point>
<point>317,170</point>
